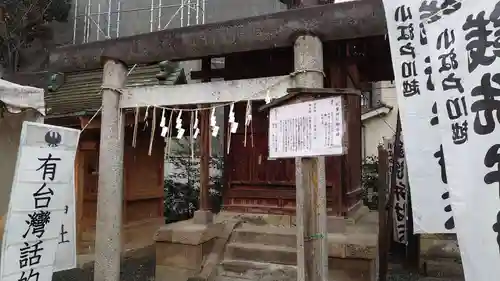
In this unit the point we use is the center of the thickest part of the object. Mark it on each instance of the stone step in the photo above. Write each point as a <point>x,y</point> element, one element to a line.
<point>443,268</point>
<point>250,270</point>
<point>440,279</point>
<point>261,253</point>
<point>265,235</point>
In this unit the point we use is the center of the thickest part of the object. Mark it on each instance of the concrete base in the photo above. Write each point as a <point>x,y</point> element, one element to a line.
<point>203,217</point>
<point>337,224</point>
<point>182,247</point>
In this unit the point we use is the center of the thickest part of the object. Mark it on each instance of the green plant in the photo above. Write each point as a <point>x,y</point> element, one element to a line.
<point>369,180</point>
<point>23,21</point>
<point>182,187</point>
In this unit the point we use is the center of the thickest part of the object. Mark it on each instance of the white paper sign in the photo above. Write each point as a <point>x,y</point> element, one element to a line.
<point>42,201</point>
<point>416,92</point>
<point>306,129</point>
<point>464,46</point>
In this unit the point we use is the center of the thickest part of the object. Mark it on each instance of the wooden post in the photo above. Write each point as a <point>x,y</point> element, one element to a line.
<point>205,150</point>
<point>2,225</point>
<point>110,184</point>
<point>205,138</point>
<point>312,255</point>
<point>395,156</point>
<point>413,246</point>
<point>204,214</point>
<point>383,246</point>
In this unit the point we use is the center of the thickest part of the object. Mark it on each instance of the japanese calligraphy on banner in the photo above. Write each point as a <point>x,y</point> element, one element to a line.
<point>41,205</point>
<point>416,92</point>
<point>312,128</point>
<point>400,200</point>
<point>389,146</point>
<point>465,47</point>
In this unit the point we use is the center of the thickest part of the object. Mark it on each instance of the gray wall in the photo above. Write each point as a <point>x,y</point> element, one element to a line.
<point>135,22</point>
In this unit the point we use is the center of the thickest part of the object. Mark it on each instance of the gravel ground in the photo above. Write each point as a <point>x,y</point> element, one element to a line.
<point>142,268</point>
<point>397,273</point>
<point>133,269</point>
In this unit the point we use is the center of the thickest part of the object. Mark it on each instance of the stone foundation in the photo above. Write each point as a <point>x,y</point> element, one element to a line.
<point>181,249</point>
<point>261,246</point>
<point>352,257</point>
<point>266,245</point>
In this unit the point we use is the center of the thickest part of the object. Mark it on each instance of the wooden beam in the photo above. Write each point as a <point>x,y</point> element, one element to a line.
<point>206,93</point>
<point>205,147</point>
<point>348,20</point>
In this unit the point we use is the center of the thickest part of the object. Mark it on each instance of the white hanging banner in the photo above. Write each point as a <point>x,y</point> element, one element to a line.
<point>416,93</point>
<point>465,51</point>
<point>40,223</point>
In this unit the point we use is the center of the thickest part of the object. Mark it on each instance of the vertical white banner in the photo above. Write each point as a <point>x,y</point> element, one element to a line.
<point>400,199</point>
<point>416,92</point>
<point>465,51</point>
<point>40,201</point>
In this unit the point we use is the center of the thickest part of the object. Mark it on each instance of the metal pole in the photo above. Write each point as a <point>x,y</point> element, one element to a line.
<point>151,15</point>
<point>182,12</point>
<point>197,12</point>
<point>88,21</point>
<point>109,19</point>
<point>74,21</point>
<point>118,19</point>
<point>204,2</point>
<point>108,241</point>
<point>189,13</point>
<point>173,16</point>
<point>159,14</point>
<point>98,21</point>
<point>85,23</point>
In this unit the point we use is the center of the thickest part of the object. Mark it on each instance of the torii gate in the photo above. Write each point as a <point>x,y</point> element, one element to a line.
<point>305,29</point>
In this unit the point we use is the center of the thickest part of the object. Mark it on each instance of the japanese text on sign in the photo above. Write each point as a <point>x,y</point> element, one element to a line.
<point>304,129</point>
<point>465,45</point>
<point>416,91</point>
<point>32,234</point>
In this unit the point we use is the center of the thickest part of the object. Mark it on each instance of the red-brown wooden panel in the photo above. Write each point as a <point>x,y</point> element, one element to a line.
<point>258,184</point>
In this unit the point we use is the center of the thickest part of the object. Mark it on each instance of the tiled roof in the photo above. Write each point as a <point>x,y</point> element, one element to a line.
<point>78,93</point>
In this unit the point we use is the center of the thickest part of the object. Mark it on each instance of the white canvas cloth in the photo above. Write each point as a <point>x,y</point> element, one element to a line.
<point>17,97</point>
<point>416,94</point>
<point>23,104</point>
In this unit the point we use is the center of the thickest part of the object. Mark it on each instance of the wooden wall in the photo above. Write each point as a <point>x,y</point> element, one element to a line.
<point>256,184</point>
<point>143,191</point>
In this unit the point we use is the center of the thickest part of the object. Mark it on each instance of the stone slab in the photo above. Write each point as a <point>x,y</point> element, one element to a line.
<point>179,255</point>
<point>203,217</point>
<point>167,273</point>
<point>189,233</point>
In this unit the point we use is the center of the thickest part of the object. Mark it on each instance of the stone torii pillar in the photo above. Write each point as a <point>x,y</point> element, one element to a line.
<point>108,241</point>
